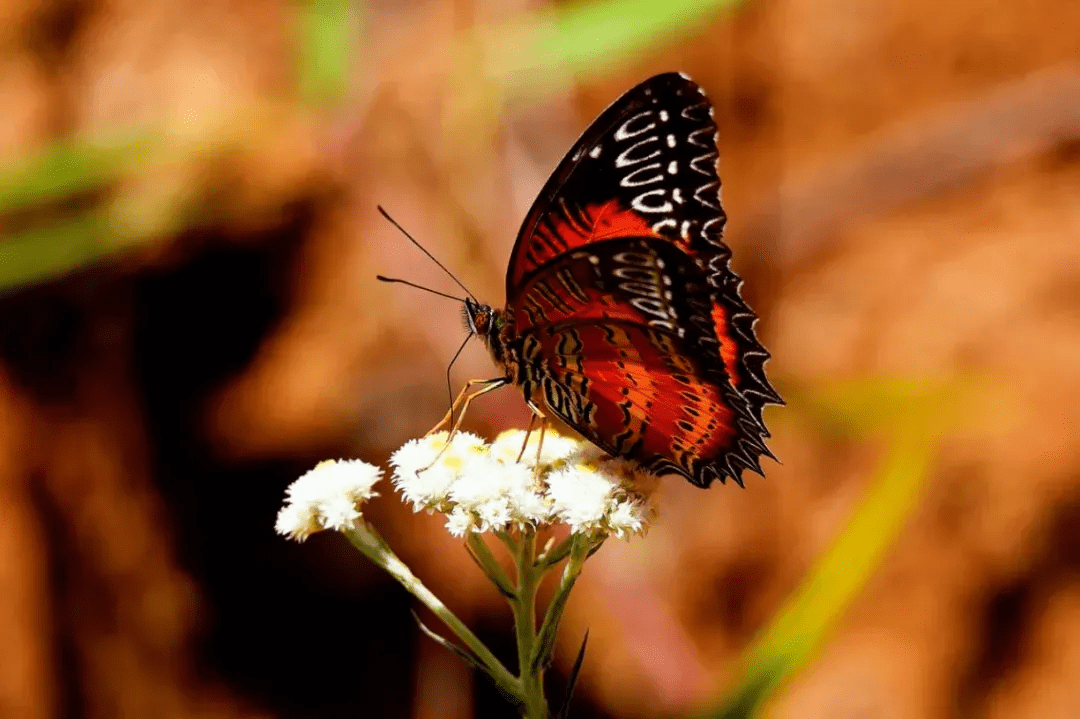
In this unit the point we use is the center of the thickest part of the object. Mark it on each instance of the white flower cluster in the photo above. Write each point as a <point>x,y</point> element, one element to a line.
<point>327,497</point>
<point>483,487</point>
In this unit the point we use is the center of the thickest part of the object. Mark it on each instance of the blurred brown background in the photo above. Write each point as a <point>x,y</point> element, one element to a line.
<point>903,182</point>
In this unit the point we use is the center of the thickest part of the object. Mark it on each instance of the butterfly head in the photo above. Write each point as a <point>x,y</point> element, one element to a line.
<point>487,323</point>
<point>480,319</point>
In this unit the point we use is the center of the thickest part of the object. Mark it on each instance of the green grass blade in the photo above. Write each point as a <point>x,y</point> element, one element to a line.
<point>71,166</point>
<point>801,626</point>
<point>324,32</point>
<point>590,36</point>
<point>45,252</point>
<point>589,39</point>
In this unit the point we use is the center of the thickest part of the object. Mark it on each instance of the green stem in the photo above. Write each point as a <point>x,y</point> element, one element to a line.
<point>508,540</point>
<point>532,674</point>
<point>489,564</point>
<point>364,537</point>
<point>556,554</point>
<point>579,552</point>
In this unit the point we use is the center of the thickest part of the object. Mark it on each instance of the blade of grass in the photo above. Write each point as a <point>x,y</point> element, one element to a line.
<point>800,627</point>
<point>587,39</point>
<point>798,631</point>
<point>914,414</point>
<point>324,29</point>
<point>119,219</point>
<point>71,166</point>
<point>114,225</point>
<point>40,253</point>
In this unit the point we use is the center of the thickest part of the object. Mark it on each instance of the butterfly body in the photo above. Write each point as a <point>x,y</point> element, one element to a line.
<point>623,317</point>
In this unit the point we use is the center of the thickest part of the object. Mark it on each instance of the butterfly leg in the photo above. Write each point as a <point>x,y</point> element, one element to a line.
<point>462,399</point>
<point>536,413</point>
<point>528,432</point>
<point>543,426</point>
<point>492,386</point>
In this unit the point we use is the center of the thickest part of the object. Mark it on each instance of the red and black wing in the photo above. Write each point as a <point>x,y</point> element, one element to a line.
<point>645,167</point>
<point>626,311</point>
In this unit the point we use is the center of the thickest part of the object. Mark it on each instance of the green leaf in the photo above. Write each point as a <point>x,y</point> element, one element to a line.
<point>444,642</point>
<point>571,680</point>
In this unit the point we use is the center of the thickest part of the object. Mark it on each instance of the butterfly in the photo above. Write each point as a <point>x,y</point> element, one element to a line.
<point>623,317</point>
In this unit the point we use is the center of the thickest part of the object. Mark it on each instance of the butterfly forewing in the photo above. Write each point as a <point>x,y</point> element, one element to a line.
<point>626,316</point>
<point>645,167</point>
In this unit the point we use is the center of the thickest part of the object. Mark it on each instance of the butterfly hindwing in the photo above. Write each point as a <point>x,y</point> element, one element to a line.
<point>670,420</point>
<point>625,328</point>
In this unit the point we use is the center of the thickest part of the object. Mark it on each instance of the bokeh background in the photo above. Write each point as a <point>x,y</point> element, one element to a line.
<point>189,320</point>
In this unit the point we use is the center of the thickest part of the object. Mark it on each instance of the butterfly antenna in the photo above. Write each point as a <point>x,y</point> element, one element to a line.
<point>412,239</point>
<point>449,388</point>
<point>380,278</point>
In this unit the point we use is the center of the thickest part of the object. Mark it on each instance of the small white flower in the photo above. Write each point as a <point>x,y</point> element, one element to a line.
<point>459,522</point>
<point>628,517</point>
<point>494,514</point>
<point>622,470</point>
<point>483,487</point>
<point>484,478</point>
<point>425,468</point>
<point>349,478</point>
<point>416,454</point>
<point>327,497</point>
<point>428,487</point>
<point>642,482</point>
<point>581,496</point>
<point>556,447</point>
<point>496,493</point>
<point>297,521</point>
<point>481,478</point>
<point>532,508</point>
<point>339,512</point>
<point>588,453</point>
